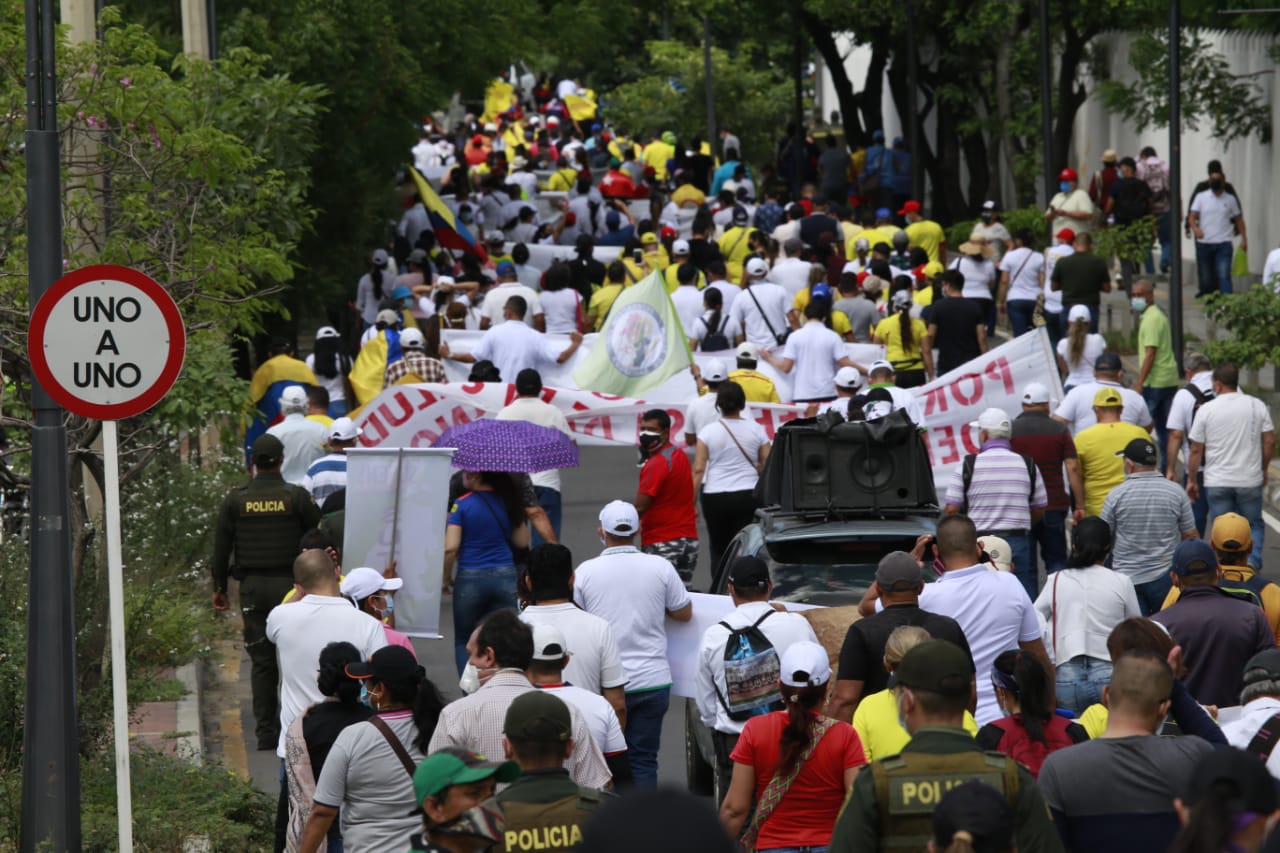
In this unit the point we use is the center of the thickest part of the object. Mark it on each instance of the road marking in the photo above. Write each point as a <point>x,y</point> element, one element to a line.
<point>1271,520</point>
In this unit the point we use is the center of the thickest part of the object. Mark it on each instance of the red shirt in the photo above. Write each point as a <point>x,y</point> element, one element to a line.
<point>667,477</point>
<point>808,812</point>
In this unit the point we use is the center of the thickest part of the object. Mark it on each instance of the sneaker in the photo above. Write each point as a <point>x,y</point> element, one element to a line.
<point>268,743</point>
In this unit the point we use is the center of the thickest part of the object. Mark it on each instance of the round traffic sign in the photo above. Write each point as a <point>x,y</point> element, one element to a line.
<point>106,342</point>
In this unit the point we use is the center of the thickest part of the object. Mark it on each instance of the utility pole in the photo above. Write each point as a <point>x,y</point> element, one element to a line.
<point>1046,109</point>
<point>706,73</point>
<point>195,29</point>
<point>913,107</point>
<point>51,761</point>
<point>1175,177</point>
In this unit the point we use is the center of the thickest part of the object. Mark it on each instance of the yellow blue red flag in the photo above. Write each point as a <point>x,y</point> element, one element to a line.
<point>450,233</point>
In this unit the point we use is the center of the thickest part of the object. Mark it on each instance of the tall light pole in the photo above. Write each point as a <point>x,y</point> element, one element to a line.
<point>913,106</point>
<point>1175,176</point>
<point>51,761</point>
<point>1046,108</point>
<point>706,73</point>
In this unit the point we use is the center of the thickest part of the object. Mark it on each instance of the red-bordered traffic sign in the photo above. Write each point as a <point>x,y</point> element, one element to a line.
<point>106,342</point>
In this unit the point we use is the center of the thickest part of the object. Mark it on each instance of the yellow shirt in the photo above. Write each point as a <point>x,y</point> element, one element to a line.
<point>671,276</point>
<point>562,180</point>
<point>323,420</point>
<point>889,332</point>
<point>928,235</point>
<point>1102,470</point>
<point>601,302</point>
<point>656,155</point>
<point>758,387</point>
<point>688,195</point>
<point>873,236</point>
<point>876,721</point>
<point>619,145</point>
<point>1094,720</point>
<point>735,245</point>
<point>839,320</point>
<point>851,234</point>
<point>293,591</point>
<point>657,258</point>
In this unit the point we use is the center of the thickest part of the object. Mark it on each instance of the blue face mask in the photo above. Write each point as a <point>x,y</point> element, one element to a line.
<point>1065,186</point>
<point>364,696</point>
<point>1137,303</point>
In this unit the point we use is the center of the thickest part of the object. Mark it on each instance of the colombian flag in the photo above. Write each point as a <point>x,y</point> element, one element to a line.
<point>269,381</point>
<point>498,99</point>
<point>366,374</point>
<point>450,233</point>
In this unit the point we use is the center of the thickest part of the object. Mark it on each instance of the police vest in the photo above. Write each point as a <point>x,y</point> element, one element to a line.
<point>547,827</point>
<point>268,524</point>
<point>909,786</point>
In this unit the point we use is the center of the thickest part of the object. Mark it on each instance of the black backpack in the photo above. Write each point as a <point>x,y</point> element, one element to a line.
<point>966,473</point>
<point>751,672</point>
<point>715,339</point>
<point>1201,397</point>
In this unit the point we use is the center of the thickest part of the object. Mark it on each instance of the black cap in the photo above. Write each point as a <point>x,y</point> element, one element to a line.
<point>538,716</point>
<point>1264,666</point>
<point>1242,777</point>
<point>267,448</point>
<point>936,666</point>
<point>898,571</point>
<point>749,573</point>
<point>980,811</point>
<point>1140,451</point>
<point>1107,361</point>
<point>389,663</point>
<point>528,382</point>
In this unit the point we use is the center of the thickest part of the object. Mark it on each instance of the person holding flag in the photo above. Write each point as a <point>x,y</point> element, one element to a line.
<point>278,372</point>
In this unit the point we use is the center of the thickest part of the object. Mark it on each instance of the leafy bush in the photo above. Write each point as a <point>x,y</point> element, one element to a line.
<point>1253,322</point>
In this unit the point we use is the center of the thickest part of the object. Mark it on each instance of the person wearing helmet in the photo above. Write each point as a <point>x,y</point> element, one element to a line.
<point>1071,207</point>
<point>416,366</point>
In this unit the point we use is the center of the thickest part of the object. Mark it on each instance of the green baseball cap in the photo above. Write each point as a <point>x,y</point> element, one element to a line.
<point>454,766</point>
<point>936,666</point>
<point>538,716</point>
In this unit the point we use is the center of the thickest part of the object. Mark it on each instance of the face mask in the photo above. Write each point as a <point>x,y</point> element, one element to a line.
<point>1065,186</point>
<point>987,217</point>
<point>469,682</point>
<point>650,440</point>
<point>364,696</point>
<point>1215,185</point>
<point>475,822</point>
<point>391,605</point>
<point>1138,304</point>
<point>902,717</point>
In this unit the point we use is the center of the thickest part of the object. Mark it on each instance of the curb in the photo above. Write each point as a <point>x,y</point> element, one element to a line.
<point>189,721</point>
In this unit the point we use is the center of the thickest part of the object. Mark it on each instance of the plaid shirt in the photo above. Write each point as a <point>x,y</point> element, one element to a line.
<point>475,722</point>
<point>419,364</point>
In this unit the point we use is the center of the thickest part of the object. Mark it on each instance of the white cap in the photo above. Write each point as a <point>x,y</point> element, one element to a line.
<point>999,551</point>
<point>880,364</point>
<point>805,664</point>
<point>553,121</point>
<point>901,299</point>
<point>412,339</point>
<point>548,642</point>
<point>848,378</point>
<point>1079,312</point>
<point>862,244</point>
<point>327,332</point>
<point>363,582</point>
<point>680,247</point>
<point>1036,393</point>
<point>757,267</point>
<point>988,205</point>
<point>620,518</point>
<point>746,349</point>
<point>715,371</point>
<point>993,420</point>
<point>344,429</point>
<point>293,397</point>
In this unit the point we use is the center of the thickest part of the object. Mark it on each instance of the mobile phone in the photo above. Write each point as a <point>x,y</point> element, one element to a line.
<point>638,255</point>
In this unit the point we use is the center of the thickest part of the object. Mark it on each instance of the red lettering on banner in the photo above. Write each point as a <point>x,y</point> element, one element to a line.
<point>601,427</point>
<point>935,399</point>
<point>765,419</point>
<point>511,395</point>
<point>610,397</point>
<point>471,387</point>
<point>579,406</point>
<point>677,421</point>
<point>961,398</point>
<point>428,400</point>
<point>405,409</point>
<point>969,437</point>
<point>1000,370</point>
<point>374,432</point>
<point>456,417</point>
<point>946,438</point>
<point>548,394</point>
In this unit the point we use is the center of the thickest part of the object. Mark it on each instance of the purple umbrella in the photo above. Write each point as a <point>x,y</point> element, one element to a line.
<point>493,445</point>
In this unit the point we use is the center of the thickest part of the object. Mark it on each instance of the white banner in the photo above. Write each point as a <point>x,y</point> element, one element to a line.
<point>396,493</point>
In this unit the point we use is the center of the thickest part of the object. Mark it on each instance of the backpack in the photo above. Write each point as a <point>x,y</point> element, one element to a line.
<point>1016,742</point>
<point>1201,398</point>
<point>966,473</point>
<point>715,339</point>
<point>1157,179</point>
<point>751,672</point>
<point>1246,589</point>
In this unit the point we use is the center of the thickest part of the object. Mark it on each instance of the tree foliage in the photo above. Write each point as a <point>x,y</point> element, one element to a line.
<point>1235,106</point>
<point>1253,322</point>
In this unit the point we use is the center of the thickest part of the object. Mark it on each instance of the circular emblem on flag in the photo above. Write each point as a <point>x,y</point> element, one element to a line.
<point>636,340</point>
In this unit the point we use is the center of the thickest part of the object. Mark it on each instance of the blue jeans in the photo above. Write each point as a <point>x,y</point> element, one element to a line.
<point>1246,500</point>
<point>1158,401</point>
<point>337,408</point>
<point>645,711</point>
<point>476,594</point>
<point>1151,594</point>
<point>1199,506</point>
<point>549,500</point>
<point>1213,267</point>
<point>1080,682</point>
<point>1051,535</point>
<point>1024,562</point>
<point>1021,312</point>
<point>1053,322</point>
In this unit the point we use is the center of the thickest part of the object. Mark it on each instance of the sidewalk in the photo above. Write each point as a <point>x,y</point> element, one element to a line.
<point>172,726</point>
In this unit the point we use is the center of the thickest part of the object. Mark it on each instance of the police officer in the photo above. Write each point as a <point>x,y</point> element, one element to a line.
<point>262,523</point>
<point>543,809</point>
<point>892,803</point>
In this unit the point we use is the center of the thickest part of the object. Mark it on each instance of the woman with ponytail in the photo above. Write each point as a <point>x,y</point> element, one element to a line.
<point>972,818</point>
<point>330,363</point>
<point>906,342</point>
<point>369,771</point>
<point>795,765</point>
<point>373,287</point>
<point>1229,807</point>
<point>1079,349</point>
<point>1030,730</point>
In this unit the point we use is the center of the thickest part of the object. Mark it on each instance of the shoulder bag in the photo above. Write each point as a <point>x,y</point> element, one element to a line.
<point>741,449</point>
<point>396,746</point>
<point>778,786</point>
<point>781,339</point>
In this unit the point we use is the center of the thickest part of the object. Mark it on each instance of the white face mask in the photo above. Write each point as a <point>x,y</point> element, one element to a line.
<point>470,681</point>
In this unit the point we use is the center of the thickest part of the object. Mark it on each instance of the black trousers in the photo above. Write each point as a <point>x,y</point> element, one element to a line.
<point>726,513</point>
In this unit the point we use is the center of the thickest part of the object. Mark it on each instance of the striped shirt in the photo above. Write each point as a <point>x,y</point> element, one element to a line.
<point>999,490</point>
<point>325,476</point>
<point>1148,516</point>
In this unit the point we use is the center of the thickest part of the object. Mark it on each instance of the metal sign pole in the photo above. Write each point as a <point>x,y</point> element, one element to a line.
<point>115,596</point>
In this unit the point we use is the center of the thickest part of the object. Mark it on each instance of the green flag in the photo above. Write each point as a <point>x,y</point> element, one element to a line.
<point>641,345</point>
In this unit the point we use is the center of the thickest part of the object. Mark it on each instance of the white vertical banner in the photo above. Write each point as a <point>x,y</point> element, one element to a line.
<point>396,509</point>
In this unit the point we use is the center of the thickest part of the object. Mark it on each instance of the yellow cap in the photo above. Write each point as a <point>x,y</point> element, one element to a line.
<point>1108,397</point>
<point>1231,533</point>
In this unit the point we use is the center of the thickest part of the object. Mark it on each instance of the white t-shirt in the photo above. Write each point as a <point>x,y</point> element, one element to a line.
<point>597,713</point>
<point>336,387</point>
<point>514,346</point>
<point>1089,604</point>
<point>593,661</point>
<point>633,592</point>
<point>300,630</point>
<point>700,329</point>
<point>1024,267</point>
<point>773,302</point>
<point>303,441</point>
<point>903,399</point>
<point>1081,371</point>
<point>364,777</point>
<point>1230,427</point>
<point>1076,407</point>
<point>1183,408</point>
<point>1240,732</point>
<point>1053,298</point>
<point>816,352</point>
<point>702,412</point>
<point>535,411</point>
<point>1216,215</point>
<point>728,293</point>
<point>496,299</point>
<point>978,276</point>
<point>728,468</point>
<point>792,274</point>
<point>560,310</point>
<point>687,300</point>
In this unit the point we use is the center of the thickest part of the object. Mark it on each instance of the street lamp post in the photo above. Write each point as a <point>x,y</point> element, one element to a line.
<point>1175,176</point>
